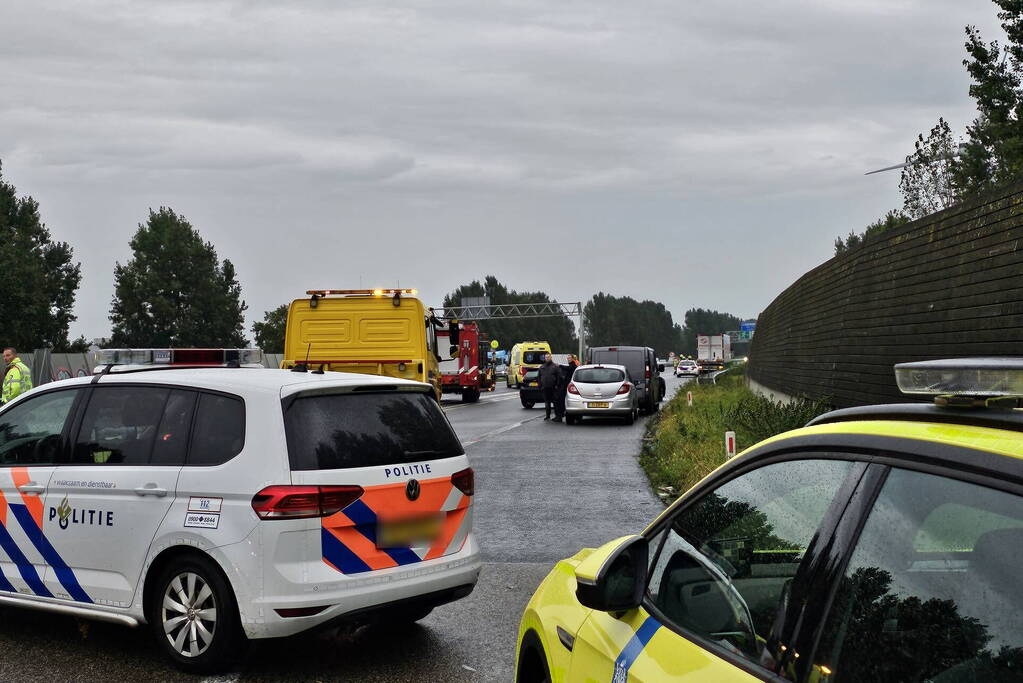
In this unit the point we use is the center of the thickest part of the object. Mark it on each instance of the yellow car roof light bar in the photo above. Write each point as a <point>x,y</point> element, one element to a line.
<point>963,380</point>
<point>362,292</point>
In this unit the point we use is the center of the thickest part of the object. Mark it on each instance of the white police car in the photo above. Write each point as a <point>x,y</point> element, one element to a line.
<point>224,503</point>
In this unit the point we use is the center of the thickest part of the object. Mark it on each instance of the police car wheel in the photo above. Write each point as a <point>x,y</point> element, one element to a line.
<point>194,616</point>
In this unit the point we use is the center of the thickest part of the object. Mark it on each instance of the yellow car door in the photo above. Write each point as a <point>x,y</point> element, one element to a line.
<point>636,647</point>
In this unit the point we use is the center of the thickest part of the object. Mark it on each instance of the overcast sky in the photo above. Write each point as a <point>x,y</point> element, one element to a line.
<point>699,154</point>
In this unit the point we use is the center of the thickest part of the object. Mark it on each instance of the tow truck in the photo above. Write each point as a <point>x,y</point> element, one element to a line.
<point>472,372</point>
<point>387,332</point>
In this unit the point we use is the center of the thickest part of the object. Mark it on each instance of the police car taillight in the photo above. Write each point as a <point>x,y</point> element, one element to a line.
<point>180,357</point>
<point>962,377</point>
<point>464,481</point>
<point>302,502</point>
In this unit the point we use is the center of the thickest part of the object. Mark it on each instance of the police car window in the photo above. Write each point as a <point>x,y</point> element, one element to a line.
<point>119,426</point>
<point>337,431</point>
<point>932,591</point>
<point>219,431</point>
<point>30,429</point>
<point>727,561</point>
<point>171,442</point>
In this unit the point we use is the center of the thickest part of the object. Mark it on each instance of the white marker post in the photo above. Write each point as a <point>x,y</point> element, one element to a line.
<point>689,398</point>
<point>729,445</point>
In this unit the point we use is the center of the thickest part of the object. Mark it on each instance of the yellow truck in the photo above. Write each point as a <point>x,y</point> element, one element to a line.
<point>384,332</point>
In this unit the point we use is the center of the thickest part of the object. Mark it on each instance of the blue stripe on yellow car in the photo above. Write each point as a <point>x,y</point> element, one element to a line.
<point>64,573</point>
<point>25,568</point>
<point>634,648</point>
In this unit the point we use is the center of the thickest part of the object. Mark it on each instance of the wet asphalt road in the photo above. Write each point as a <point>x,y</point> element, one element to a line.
<point>543,491</point>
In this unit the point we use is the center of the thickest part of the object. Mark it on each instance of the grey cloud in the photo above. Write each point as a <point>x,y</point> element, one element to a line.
<point>581,122</point>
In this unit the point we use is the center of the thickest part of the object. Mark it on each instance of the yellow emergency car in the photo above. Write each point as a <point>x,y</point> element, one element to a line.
<point>386,332</point>
<point>880,543</point>
<point>525,356</point>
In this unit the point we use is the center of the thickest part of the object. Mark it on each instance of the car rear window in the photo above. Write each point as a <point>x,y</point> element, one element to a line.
<point>598,375</point>
<point>339,431</point>
<point>632,359</point>
<point>533,357</point>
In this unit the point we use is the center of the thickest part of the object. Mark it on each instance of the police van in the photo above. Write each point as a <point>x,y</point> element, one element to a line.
<point>218,502</point>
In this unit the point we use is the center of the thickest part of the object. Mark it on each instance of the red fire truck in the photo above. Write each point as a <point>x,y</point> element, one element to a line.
<point>472,371</point>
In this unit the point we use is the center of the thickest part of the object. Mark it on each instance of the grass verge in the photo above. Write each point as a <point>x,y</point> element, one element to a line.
<point>683,444</point>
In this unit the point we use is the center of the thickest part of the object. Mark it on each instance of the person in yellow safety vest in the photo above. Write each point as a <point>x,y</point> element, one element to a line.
<point>18,378</point>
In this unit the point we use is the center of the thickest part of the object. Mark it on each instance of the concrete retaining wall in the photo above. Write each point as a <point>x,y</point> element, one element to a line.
<point>948,285</point>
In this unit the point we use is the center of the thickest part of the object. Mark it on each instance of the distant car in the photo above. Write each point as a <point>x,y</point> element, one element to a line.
<point>603,391</point>
<point>501,371</point>
<point>687,368</point>
<point>529,389</point>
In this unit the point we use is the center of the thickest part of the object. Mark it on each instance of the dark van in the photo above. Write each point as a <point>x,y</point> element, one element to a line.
<point>644,371</point>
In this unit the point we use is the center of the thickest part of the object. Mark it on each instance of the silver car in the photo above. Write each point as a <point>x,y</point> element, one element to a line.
<point>601,390</point>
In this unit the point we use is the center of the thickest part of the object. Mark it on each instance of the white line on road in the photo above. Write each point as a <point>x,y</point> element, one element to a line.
<point>456,406</point>
<point>502,430</point>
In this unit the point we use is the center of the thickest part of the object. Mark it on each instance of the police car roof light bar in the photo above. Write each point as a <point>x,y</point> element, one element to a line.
<point>189,357</point>
<point>962,377</point>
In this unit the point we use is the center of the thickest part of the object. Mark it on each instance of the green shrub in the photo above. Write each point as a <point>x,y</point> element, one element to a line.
<point>683,444</point>
<point>759,418</point>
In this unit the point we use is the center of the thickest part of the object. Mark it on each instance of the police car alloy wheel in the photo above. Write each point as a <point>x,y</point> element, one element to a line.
<point>194,616</point>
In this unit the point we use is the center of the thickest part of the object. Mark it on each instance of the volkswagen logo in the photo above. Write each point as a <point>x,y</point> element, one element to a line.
<point>412,489</point>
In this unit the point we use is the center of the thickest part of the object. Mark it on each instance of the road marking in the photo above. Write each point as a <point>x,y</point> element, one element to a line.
<point>456,406</point>
<point>502,430</point>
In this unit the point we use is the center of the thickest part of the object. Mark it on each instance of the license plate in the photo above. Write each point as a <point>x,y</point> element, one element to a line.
<point>408,532</point>
<point>598,405</point>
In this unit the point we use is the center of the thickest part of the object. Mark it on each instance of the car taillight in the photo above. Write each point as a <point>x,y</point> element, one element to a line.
<point>572,388</point>
<point>625,388</point>
<point>464,481</point>
<point>301,502</point>
<point>648,372</point>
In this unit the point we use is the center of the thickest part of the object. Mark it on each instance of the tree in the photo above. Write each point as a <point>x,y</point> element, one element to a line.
<point>558,331</point>
<point>928,184</point>
<point>174,292</point>
<point>890,221</point>
<point>270,333</point>
<point>37,277</point>
<point>700,321</point>
<point>611,320</point>
<point>993,152</point>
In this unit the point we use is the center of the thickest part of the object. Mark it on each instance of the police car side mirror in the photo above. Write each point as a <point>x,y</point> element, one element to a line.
<point>613,577</point>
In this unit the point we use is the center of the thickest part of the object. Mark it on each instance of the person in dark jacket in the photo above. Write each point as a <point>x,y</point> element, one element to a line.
<point>550,375</point>
<point>563,381</point>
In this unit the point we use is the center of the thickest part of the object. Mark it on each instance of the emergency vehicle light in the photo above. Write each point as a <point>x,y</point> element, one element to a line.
<point>979,377</point>
<point>362,292</point>
<point>179,356</point>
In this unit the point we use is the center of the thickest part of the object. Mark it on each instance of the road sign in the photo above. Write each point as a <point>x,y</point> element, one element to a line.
<point>729,445</point>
